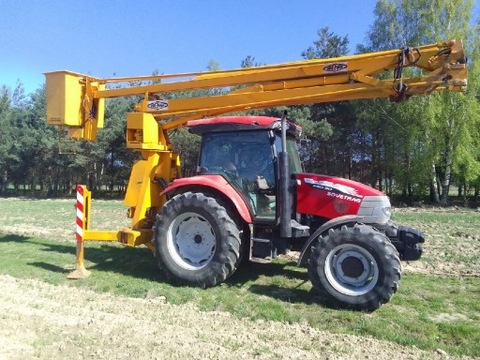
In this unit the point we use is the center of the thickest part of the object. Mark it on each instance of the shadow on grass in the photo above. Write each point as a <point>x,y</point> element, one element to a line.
<point>293,278</point>
<point>288,295</point>
<point>140,263</point>
<point>48,267</point>
<point>250,270</point>
<point>105,257</point>
<point>4,238</point>
<point>114,258</point>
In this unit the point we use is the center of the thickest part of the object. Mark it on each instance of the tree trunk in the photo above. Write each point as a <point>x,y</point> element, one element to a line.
<point>446,179</point>
<point>433,185</point>
<point>4,182</point>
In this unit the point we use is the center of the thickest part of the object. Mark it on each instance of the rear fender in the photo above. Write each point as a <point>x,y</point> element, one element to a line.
<point>337,222</point>
<point>218,184</point>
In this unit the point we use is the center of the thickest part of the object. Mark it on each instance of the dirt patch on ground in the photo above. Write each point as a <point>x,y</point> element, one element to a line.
<point>43,321</point>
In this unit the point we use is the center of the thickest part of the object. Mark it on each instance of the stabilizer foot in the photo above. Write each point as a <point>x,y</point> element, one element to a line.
<point>79,273</point>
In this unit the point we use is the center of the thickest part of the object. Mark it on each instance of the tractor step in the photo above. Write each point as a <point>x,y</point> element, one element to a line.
<point>299,230</point>
<point>262,241</point>
<point>260,260</point>
<point>261,250</point>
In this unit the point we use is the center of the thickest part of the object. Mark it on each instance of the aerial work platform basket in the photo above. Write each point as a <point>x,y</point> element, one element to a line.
<point>70,102</point>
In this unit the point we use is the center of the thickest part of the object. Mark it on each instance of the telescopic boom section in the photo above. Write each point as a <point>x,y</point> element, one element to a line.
<point>77,101</point>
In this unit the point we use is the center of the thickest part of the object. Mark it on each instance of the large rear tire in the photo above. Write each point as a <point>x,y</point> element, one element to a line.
<point>196,241</point>
<point>354,267</point>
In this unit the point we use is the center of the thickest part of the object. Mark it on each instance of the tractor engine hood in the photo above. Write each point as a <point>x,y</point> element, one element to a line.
<point>330,197</point>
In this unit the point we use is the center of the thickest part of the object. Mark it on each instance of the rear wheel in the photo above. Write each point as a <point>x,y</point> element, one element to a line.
<point>355,267</point>
<point>196,241</point>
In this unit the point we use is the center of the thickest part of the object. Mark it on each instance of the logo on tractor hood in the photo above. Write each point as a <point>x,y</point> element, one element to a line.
<point>333,187</point>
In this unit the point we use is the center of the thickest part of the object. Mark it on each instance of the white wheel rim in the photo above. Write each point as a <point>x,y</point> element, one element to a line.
<point>351,270</point>
<point>191,241</point>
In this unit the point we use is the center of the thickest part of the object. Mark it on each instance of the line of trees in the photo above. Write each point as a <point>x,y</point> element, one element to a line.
<point>414,150</point>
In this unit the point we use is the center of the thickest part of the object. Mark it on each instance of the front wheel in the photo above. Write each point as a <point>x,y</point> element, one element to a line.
<point>355,267</point>
<point>196,241</point>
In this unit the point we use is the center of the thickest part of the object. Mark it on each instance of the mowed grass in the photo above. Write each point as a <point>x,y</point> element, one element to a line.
<point>440,311</point>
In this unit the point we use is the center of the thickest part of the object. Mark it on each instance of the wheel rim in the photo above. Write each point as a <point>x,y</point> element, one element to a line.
<point>191,241</point>
<point>351,270</point>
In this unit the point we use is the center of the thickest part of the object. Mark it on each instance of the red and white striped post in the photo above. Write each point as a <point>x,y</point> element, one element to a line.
<point>80,221</point>
<point>83,199</point>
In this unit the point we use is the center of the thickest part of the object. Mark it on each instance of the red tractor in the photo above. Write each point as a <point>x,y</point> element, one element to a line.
<point>252,199</point>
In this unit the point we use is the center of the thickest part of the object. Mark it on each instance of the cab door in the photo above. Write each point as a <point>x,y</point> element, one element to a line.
<point>247,159</point>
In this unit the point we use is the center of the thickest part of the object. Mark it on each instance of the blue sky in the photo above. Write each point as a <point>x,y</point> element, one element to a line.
<point>127,38</point>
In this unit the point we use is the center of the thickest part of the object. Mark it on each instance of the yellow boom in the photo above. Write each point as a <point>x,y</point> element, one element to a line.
<point>77,100</point>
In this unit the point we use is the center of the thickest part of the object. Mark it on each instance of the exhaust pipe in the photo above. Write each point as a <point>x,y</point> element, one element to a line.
<point>285,202</point>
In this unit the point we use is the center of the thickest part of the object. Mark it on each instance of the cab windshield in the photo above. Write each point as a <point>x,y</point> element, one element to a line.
<point>240,155</point>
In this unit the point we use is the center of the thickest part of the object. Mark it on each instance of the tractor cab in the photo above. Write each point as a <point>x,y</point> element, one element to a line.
<point>244,150</point>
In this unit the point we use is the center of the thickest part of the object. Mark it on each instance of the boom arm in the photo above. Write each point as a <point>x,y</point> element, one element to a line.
<point>77,101</point>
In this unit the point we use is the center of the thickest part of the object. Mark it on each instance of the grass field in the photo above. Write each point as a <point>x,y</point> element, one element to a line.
<point>436,307</point>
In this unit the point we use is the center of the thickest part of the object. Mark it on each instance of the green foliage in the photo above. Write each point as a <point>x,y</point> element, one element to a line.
<point>30,153</point>
<point>331,126</point>
<point>328,45</point>
<point>432,138</point>
<point>188,146</point>
<point>248,62</point>
<point>28,150</point>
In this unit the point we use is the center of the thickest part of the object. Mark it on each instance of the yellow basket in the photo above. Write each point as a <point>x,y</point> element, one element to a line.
<point>65,97</point>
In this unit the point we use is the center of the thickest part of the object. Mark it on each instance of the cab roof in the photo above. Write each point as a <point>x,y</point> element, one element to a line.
<point>240,123</point>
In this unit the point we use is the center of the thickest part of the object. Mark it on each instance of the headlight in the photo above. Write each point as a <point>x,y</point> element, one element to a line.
<point>387,210</point>
<point>375,209</point>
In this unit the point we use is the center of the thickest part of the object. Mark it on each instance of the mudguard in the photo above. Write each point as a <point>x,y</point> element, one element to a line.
<point>218,183</point>
<point>347,219</point>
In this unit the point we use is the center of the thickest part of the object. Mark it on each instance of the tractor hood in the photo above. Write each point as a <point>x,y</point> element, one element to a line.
<point>330,197</point>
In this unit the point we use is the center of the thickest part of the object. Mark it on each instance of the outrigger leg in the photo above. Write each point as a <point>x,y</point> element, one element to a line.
<point>82,206</point>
